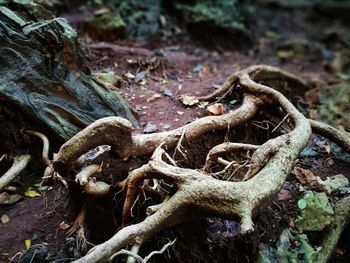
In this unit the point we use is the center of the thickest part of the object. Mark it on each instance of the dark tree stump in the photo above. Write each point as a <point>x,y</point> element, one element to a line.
<point>44,77</point>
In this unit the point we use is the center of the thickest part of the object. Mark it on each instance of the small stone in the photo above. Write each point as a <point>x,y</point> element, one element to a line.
<point>166,126</point>
<point>167,92</point>
<point>150,127</point>
<point>189,100</point>
<point>129,75</point>
<point>215,109</point>
<point>5,219</point>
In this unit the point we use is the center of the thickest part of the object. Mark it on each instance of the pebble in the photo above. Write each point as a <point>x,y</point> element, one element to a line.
<point>150,127</point>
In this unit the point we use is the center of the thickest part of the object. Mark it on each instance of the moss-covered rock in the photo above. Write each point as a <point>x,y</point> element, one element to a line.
<point>106,26</point>
<point>334,105</point>
<point>222,18</point>
<point>316,212</point>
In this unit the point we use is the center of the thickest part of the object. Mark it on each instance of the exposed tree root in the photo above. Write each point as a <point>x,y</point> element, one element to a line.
<point>78,228</point>
<point>83,176</point>
<point>334,231</point>
<point>19,164</point>
<point>198,194</point>
<point>329,132</point>
<point>46,145</point>
<point>140,259</point>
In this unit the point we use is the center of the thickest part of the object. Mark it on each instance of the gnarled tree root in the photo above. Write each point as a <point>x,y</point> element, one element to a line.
<point>19,164</point>
<point>334,231</point>
<point>198,194</point>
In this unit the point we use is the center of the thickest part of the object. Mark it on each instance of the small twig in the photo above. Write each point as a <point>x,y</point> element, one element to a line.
<point>61,179</point>
<point>132,207</point>
<point>179,146</point>
<point>223,171</point>
<point>177,91</point>
<point>223,96</point>
<point>140,259</point>
<point>128,253</point>
<point>171,160</point>
<point>159,251</point>
<point>237,169</point>
<point>223,161</point>
<point>259,123</point>
<point>281,122</point>
<point>3,157</point>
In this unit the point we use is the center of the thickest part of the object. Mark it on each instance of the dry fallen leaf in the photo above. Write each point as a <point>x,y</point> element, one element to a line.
<point>189,100</point>
<point>5,219</point>
<point>207,73</point>
<point>63,226</point>
<point>154,97</point>
<point>306,177</point>
<point>215,109</point>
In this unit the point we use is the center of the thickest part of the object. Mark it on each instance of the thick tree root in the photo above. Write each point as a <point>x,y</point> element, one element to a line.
<point>198,193</point>
<point>332,235</point>
<point>46,146</point>
<point>19,164</point>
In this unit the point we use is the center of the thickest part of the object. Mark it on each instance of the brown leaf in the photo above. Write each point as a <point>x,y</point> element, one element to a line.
<point>215,109</point>
<point>154,97</point>
<point>306,177</point>
<point>312,97</point>
<point>7,199</point>
<point>189,100</point>
<point>63,226</point>
<point>207,73</point>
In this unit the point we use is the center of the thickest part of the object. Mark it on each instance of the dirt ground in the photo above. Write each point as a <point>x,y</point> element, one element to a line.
<point>172,69</point>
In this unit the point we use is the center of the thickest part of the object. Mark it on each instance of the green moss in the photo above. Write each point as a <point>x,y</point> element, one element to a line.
<point>336,182</point>
<point>222,14</point>
<point>334,105</point>
<point>107,77</point>
<point>111,21</point>
<point>292,247</point>
<point>316,212</point>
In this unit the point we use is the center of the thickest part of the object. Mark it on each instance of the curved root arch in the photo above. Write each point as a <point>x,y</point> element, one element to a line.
<point>199,191</point>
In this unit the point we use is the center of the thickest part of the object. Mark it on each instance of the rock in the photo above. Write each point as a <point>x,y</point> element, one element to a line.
<point>227,29</point>
<point>150,128</point>
<point>107,26</point>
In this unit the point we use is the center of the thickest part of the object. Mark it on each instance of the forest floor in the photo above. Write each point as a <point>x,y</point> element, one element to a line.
<point>155,78</point>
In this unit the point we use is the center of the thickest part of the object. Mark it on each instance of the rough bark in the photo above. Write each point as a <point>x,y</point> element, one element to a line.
<point>44,75</point>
